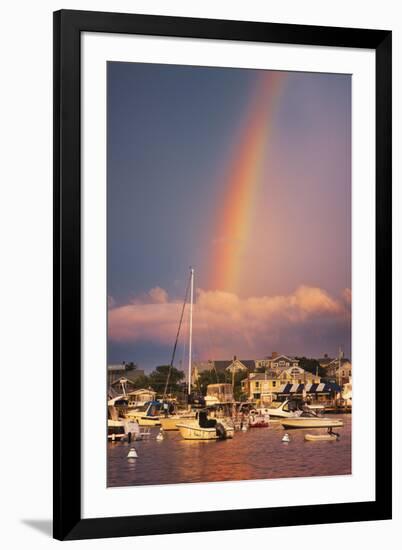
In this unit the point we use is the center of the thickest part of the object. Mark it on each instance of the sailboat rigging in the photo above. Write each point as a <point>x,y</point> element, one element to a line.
<point>189,284</point>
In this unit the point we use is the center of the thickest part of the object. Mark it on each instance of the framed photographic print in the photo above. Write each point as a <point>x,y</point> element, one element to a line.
<point>222,258</point>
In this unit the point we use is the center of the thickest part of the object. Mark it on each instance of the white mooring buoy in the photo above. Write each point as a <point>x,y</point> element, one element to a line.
<point>132,453</point>
<point>160,436</point>
<point>286,438</point>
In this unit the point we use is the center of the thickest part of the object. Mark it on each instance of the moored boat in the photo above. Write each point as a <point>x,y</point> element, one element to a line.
<point>321,437</point>
<point>285,409</point>
<point>147,415</point>
<point>202,428</point>
<point>258,420</point>
<point>122,429</point>
<point>169,423</point>
<point>311,422</point>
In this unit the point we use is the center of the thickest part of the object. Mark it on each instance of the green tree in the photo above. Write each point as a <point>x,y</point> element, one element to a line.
<point>158,377</point>
<point>212,376</point>
<point>237,390</point>
<point>141,381</point>
<point>311,365</point>
<point>207,377</point>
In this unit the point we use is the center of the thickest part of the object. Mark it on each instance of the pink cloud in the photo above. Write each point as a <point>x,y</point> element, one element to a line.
<point>224,323</point>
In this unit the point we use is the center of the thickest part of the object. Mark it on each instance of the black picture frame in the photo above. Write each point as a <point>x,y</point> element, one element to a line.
<point>68,26</point>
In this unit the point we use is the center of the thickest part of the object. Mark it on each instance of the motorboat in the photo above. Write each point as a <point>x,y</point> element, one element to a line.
<point>202,428</point>
<point>258,419</point>
<point>146,415</point>
<point>122,429</point>
<point>169,423</point>
<point>170,416</point>
<point>289,408</point>
<point>311,422</point>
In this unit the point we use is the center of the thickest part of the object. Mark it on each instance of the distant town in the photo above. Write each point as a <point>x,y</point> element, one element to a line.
<point>272,378</point>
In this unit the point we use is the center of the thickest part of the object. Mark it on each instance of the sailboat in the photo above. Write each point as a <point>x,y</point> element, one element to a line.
<point>170,418</point>
<point>200,427</point>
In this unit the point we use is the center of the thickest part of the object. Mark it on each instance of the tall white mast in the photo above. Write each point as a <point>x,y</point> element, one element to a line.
<point>190,327</point>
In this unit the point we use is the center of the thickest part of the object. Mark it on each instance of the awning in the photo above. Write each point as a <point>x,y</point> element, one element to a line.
<point>327,387</point>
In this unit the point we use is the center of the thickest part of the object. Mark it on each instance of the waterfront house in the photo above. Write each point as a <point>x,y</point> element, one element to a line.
<point>297,375</point>
<point>227,366</point>
<point>343,374</point>
<point>265,386</point>
<point>322,393</point>
<point>261,386</point>
<point>276,362</point>
<point>338,370</point>
<point>123,370</point>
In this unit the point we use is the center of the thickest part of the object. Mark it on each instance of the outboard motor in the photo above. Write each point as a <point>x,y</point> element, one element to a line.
<point>220,430</point>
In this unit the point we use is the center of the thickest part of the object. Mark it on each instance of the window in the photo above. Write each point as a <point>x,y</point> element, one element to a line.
<point>257,385</point>
<point>350,373</point>
<point>273,383</point>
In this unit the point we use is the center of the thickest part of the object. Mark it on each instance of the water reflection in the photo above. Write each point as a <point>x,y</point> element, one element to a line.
<point>256,454</point>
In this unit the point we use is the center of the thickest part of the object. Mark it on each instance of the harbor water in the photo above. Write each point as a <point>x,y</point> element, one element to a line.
<point>258,453</point>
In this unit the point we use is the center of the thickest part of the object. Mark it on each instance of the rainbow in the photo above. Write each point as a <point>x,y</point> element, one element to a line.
<point>244,175</point>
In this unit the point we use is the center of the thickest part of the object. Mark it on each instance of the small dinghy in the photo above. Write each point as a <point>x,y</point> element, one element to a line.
<point>258,420</point>
<point>321,437</point>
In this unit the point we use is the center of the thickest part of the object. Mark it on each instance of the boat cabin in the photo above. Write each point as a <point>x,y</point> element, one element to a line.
<point>219,393</point>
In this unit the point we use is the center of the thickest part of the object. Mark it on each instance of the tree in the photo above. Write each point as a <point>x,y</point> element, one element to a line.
<point>212,376</point>
<point>158,378</point>
<point>130,365</point>
<point>237,390</point>
<point>207,377</point>
<point>311,365</point>
<point>141,381</point>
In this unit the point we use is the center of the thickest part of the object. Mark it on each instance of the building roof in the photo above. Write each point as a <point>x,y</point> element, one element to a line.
<point>326,387</point>
<point>122,367</point>
<point>263,376</point>
<point>282,355</point>
<point>333,362</point>
<point>116,368</point>
<point>122,380</point>
<point>224,364</point>
<point>325,360</point>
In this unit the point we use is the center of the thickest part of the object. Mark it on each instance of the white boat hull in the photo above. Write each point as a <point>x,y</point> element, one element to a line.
<point>311,422</point>
<point>192,430</point>
<point>120,429</point>
<point>169,423</point>
<point>321,437</point>
<point>144,420</point>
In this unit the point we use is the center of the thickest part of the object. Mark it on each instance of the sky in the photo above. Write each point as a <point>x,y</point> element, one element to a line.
<point>246,176</point>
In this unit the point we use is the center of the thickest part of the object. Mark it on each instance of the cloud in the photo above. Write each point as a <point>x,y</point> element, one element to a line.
<point>225,324</point>
<point>155,295</point>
